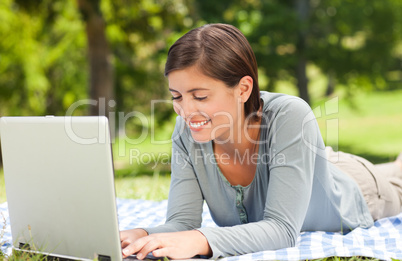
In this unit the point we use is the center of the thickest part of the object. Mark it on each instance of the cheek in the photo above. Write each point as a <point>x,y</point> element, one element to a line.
<point>224,110</point>
<point>177,108</point>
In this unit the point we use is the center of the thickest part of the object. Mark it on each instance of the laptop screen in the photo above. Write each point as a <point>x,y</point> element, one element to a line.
<point>59,184</point>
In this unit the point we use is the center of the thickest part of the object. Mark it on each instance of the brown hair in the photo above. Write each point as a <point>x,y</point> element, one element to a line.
<point>221,52</point>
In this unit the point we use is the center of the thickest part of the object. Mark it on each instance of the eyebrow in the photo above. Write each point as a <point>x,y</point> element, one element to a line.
<point>192,90</point>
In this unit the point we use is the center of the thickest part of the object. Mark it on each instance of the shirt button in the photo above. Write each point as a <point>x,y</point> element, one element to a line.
<point>238,202</point>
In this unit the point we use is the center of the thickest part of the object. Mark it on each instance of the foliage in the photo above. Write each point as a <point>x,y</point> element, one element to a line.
<point>42,56</point>
<point>358,43</point>
<point>140,33</point>
<point>43,66</point>
<point>43,51</point>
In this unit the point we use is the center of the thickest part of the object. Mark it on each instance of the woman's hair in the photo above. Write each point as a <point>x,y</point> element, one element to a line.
<point>219,51</point>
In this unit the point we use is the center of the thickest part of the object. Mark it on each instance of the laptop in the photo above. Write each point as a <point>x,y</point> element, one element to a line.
<point>60,186</point>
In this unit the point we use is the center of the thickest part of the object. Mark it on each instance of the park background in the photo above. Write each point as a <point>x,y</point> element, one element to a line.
<point>343,57</point>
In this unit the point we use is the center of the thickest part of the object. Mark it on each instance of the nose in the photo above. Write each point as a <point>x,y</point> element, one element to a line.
<point>185,108</point>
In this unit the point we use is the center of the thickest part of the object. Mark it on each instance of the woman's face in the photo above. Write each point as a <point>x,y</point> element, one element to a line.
<point>211,110</point>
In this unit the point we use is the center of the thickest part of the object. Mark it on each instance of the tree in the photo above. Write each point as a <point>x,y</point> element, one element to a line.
<point>101,72</point>
<point>43,62</point>
<point>41,57</point>
<point>302,11</point>
<point>354,43</point>
<point>140,34</point>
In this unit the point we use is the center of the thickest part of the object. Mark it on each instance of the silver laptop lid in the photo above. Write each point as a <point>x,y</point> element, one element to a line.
<point>60,186</point>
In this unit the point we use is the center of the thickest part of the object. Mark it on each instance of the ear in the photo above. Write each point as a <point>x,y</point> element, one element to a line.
<point>245,88</point>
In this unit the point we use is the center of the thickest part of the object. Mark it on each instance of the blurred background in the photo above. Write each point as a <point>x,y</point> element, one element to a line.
<point>343,57</point>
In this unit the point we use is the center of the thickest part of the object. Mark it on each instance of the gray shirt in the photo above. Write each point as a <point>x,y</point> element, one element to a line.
<point>294,189</point>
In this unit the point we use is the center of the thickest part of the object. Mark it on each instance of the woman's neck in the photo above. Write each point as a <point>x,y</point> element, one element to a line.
<point>245,140</point>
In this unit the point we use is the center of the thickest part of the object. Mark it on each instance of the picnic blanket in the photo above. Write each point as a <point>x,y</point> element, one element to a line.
<point>382,241</point>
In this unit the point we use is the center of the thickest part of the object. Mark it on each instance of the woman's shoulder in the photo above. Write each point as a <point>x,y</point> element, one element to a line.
<point>277,102</point>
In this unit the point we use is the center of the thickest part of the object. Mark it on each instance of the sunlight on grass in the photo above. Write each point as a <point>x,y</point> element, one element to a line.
<point>373,126</point>
<point>368,124</point>
<point>146,157</point>
<point>353,258</point>
<point>154,187</point>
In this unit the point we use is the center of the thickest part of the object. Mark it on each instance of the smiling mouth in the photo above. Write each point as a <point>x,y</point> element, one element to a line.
<point>198,124</point>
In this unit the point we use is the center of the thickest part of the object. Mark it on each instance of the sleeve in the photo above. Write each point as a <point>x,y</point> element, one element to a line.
<point>185,202</point>
<point>291,169</point>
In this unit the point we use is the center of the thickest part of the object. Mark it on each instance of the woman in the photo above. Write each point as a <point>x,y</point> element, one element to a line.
<point>256,158</point>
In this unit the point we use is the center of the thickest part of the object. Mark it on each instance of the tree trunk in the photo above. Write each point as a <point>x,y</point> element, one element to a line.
<point>331,83</point>
<point>1,158</point>
<point>101,73</point>
<point>302,9</point>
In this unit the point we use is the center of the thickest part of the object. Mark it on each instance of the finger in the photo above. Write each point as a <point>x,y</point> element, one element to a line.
<point>151,246</point>
<point>123,235</point>
<point>161,252</point>
<point>135,246</point>
<point>124,244</point>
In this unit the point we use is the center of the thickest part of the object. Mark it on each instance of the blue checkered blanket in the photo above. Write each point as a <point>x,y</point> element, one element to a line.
<point>382,241</point>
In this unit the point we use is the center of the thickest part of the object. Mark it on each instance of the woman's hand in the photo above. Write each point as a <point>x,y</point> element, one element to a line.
<point>129,236</point>
<point>176,245</point>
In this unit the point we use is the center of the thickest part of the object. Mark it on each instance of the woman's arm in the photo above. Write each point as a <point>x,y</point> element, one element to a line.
<point>185,202</point>
<point>184,213</point>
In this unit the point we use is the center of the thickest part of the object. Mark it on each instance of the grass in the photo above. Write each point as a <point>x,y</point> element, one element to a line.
<point>371,128</point>
<point>155,187</point>
<point>353,258</point>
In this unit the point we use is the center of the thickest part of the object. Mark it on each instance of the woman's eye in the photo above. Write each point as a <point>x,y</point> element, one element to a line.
<point>176,98</point>
<point>200,98</point>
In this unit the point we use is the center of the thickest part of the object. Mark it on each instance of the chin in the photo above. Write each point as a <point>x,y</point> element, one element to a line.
<point>200,139</point>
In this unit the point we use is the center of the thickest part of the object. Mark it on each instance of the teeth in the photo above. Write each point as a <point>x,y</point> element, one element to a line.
<point>198,124</point>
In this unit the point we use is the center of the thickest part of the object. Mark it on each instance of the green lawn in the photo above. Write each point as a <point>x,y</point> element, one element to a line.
<point>147,187</point>
<point>372,128</point>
